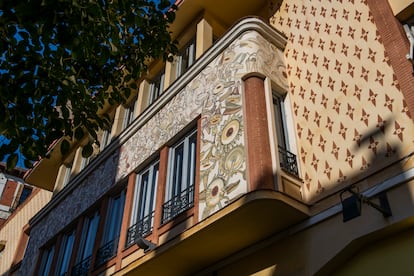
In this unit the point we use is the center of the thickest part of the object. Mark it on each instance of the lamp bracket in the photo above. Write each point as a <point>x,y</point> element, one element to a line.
<point>145,244</point>
<point>383,206</point>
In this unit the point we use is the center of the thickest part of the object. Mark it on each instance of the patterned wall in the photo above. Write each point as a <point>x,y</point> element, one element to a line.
<point>350,115</point>
<point>223,166</point>
<point>215,94</point>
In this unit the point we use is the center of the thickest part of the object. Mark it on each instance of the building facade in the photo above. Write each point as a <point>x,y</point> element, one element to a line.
<point>245,154</point>
<point>19,203</point>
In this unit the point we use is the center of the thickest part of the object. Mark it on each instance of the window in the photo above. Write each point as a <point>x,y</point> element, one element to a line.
<point>186,58</point>
<point>105,139</point>
<point>113,222</point>
<point>65,253</point>
<point>46,261</point>
<point>287,159</point>
<point>68,174</point>
<point>129,115</point>
<point>84,162</point>
<point>156,87</point>
<point>143,212</point>
<point>87,242</point>
<point>26,192</point>
<point>179,194</point>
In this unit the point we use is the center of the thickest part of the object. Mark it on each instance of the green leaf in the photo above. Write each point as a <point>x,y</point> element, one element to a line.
<point>79,133</point>
<point>28,164</point>
<point>64,147</point>
<point>12,161</point>
<point>83,43</point>
<point>87,150</point>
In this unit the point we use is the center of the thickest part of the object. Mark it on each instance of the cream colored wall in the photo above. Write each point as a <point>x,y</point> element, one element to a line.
<point>11,231</point>
<point>398,6</point>
<point>309,247</point>
<point>350,116</point>
<point>391,256</point>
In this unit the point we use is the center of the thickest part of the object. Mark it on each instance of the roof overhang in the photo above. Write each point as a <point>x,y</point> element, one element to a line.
<point>225,13</point>
<point>251,218</point>
<point>44,172</point>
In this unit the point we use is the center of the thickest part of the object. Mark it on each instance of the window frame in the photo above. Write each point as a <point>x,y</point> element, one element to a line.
<point>110,237</point>
<point>145,194</point>
<point>46,261</point>
<point>188,51</point>
<point>181,189</point>
<point>85,250</point>
<point>156,87</point>
<point>283,147</point>
<point>129,113</point>
<point>64,256</point>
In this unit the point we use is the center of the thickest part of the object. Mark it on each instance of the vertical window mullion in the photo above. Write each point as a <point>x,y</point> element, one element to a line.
<point>192,160</point>
<point>184,177</point>
<point>191,54</point>
<point>144,195</point>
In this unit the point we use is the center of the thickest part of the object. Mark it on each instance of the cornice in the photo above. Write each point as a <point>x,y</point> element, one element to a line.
<point>247,24</point>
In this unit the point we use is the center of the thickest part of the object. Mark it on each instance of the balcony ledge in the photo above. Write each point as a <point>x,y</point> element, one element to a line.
<point>249,219</point>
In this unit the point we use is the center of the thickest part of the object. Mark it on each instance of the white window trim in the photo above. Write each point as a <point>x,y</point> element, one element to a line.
<point>289,127</point>
<point>191,57</point>
<point>129,113</point>
<point>67,175</point>
<point>105,139</point>
<point>138,186</point>
<point>152,87</point>
<point>184,185</point>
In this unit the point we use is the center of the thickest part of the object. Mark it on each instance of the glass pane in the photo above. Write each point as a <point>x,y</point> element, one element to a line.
<point>147,187</point>
<point>89,233</point>
<point>65,253</point>
<point>143,197</point>
<point>192,160</point>
<point>186,58</point>
<point>68,172</point>
<point>157,87</point>
<point>178,169</point>
<point>279,122</point>
<point>46,262</point>
<point>153,188</point>
<point>114,218</point>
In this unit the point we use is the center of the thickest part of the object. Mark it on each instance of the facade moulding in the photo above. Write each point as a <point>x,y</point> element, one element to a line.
<point>244,25</point>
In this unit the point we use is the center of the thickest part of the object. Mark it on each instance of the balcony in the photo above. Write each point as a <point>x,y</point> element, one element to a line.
<point>288,161</point>
<point>178,204</point>
<point>141,229</point>
<point>262,209</point>
<point>106,252</point>
<point>82,268</point>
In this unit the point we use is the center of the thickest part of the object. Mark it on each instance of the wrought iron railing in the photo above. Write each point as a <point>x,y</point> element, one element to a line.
<point>82,268</point>
<point>178,204</point>
<point>142,228</point>
<point>288,161</point>
<point>106,252</point>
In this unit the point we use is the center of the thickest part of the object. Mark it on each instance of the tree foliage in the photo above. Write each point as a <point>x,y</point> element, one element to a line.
<point>61,60</point>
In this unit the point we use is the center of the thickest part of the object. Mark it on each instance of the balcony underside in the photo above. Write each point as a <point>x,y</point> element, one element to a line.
<point>249,219</point>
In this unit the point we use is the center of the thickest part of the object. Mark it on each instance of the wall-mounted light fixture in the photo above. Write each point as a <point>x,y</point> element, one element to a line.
<point>351,206</point>
<point>145,244</point>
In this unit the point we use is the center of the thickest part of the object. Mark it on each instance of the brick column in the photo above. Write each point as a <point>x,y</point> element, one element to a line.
<point>397,47</point>
<point>259,160</point>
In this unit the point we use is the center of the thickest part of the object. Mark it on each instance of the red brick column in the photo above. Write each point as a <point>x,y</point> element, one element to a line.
<point>397,47</point>
<point>259,160</point>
